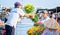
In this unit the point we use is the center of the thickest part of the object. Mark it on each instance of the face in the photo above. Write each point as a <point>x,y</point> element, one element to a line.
<point>19,6</point>
<point>5,10</point>
<point>45,15</point>
<point>59,13</point>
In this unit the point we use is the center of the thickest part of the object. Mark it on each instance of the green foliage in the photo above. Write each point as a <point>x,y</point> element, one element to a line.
<point>35,19</point>
<point>29,8</point>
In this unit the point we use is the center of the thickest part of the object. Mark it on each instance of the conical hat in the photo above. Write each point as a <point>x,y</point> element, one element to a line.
<point>51,23</point>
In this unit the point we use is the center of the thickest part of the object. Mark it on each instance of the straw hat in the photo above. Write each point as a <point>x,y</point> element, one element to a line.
<point>51,23</point>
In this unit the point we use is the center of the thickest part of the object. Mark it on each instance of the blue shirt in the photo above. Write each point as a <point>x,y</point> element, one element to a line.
<point>47,32</point>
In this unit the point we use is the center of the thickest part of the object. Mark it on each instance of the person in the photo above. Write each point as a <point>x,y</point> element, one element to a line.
<point>52,15</point>
<point>45,16</point>
<point>0,16</point>
<point>58,18</point>
<point>7,14</point>
<point>13,18</point>
<point>2,26</point>
<point>51,25</point>
<point>4,14</point>
<point>50,32</point>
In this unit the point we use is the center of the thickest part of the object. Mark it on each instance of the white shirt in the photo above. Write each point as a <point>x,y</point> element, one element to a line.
<point>14,16</point>
<point>47,18</point>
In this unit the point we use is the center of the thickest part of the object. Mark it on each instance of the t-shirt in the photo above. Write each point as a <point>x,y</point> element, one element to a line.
<point>47,18</point>
<point>14,16</point>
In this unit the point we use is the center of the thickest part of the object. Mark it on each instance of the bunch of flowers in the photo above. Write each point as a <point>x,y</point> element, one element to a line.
<point>36,30</point>
<point>35,18</point>
<point>59,29</point>
<point>29,8</point>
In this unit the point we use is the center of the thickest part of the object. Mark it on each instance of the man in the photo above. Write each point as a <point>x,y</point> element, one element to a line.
<point>45,16</point>
<point>51,25</point>
<point>13,18</point>
<point>4,14</point>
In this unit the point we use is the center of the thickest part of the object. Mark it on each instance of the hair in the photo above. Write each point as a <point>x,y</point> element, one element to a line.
<point>9,10</point>
<point>51,14</point>
<point>17,4</point>
<point>44,12</point>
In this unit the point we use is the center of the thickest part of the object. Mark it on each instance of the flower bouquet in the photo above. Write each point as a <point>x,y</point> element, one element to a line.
<point>29,9</point>
<point>36,30</point>
<point>59,29</point>
<point>33,31</point>
<point>35,19</point>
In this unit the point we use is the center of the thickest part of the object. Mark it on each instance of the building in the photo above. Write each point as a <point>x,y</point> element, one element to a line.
<point>54,10</point>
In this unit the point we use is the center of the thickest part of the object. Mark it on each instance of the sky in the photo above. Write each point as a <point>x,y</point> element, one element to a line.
<point>37,3</point>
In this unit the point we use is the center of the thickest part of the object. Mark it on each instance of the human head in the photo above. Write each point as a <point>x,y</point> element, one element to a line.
<point>17,5</point>
<point>52,15</point>
<point>8,11</point>
<point>45,14</point>
<point>58,12</point>
<point>0,15</point>
<point>4,9</point>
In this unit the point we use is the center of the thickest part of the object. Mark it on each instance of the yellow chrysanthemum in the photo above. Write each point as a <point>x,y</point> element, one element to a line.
<point>59,29</point>
<point>36,28</point>
<point>30,30</point>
